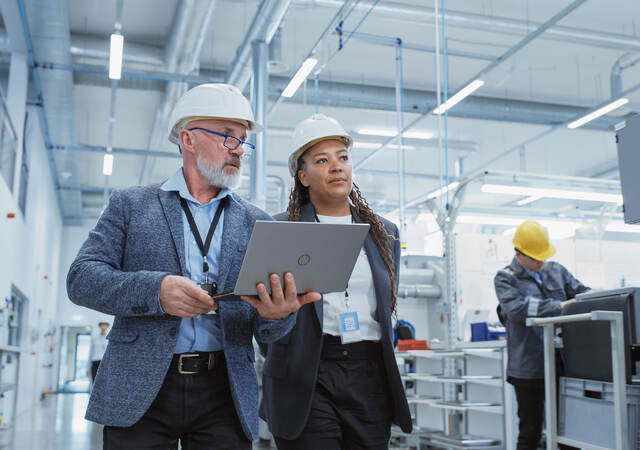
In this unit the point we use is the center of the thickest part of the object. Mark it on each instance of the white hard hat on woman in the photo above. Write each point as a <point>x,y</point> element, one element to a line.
<point>310,131</point>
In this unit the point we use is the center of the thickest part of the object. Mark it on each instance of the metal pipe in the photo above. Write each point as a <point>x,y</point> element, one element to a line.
<point>490,23</point>
<point>392,42</point>
<point>259,99</point>
<point>527,39</point>
<point>508,54</point>
<point>377,97</point>
<point>401,155</point>
<point>624,62</point>
<point>264,25</point>
<point>419,291</point>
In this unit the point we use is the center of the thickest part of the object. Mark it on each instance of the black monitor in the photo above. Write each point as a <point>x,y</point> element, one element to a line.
<point>587,345</point>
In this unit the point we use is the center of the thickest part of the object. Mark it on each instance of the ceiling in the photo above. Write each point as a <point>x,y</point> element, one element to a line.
<point>557,76</point>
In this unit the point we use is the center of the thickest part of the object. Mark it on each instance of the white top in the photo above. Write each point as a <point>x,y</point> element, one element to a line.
<point>362,296</point>
<point>98,346</point>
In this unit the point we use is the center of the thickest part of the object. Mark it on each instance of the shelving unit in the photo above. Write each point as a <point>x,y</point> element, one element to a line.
<point>482,368</point>
<point>9,356</point>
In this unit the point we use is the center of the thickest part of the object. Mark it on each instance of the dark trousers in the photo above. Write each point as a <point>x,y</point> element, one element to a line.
<point>351,406</point>
<point>530,397</point>
<point>94,369</point>
<point>196,409</point>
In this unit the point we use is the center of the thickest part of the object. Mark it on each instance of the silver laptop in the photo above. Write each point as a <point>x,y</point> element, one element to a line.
<point>320,256</point>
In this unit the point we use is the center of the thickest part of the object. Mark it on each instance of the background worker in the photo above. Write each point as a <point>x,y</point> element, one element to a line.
<point>531,286</point>
<point>323,387</point>
<point>98,347</point>
<point>172,370</point>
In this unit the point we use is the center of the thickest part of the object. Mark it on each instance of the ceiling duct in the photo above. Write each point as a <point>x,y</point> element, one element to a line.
<point>263,27</point>
<point>191,25</point>
<point>49,25</point>
<point>275,64</point>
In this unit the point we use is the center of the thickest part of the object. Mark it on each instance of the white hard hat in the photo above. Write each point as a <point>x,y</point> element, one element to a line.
<point>310,131</point>
<point>211,101</point>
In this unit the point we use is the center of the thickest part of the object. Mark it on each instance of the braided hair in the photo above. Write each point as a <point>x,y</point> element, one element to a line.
<point>299,196</point>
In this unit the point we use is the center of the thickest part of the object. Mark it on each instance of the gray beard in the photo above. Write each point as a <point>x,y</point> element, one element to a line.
<point>216,176</point>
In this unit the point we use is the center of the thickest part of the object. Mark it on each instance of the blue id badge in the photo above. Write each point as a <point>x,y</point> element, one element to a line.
<point>350,327</point>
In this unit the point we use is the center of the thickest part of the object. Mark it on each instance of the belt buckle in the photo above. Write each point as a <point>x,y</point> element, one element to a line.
<point>180,359</point>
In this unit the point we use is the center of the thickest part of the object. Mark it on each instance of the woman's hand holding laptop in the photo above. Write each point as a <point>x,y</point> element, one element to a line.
<point>280,304</point>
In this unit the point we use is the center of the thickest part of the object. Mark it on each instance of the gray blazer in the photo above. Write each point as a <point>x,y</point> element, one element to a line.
<point>137,241</point>
<point>520,297</point>
<point>291,367</point>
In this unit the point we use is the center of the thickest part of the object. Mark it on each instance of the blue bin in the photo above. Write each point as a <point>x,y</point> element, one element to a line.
<point>480,332</point>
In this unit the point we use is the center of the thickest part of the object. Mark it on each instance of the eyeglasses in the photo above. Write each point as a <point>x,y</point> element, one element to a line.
<point>230,142</point>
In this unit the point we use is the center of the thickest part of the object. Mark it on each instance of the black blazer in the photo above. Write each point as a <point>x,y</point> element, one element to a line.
<point>291,367</point>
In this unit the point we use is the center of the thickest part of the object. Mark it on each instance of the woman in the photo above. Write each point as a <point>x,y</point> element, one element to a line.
<point>324,388</point>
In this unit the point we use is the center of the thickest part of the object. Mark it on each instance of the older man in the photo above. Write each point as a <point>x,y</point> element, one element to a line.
<point>531,287</point>
<point>179,366</point>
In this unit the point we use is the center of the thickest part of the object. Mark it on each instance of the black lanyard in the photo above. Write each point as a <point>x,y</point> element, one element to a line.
<point>204,248</point>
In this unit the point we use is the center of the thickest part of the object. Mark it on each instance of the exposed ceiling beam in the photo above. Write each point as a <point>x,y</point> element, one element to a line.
<point>491,66</point>
<point>353,95</point>
<point>490,23</point>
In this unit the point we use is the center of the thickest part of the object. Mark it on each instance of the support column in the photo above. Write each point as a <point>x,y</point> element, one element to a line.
<point>401,152</point>
<point>258,179</point>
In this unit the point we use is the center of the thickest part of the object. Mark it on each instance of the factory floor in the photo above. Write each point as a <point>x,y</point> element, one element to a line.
<point>58,423</point>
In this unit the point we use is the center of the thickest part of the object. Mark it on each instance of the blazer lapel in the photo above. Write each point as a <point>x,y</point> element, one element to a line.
<point>234,232</point>
<point>173,213</point>
<point>308,214</point>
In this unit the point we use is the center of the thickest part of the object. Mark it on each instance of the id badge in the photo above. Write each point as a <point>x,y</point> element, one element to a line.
<point>350,327</point>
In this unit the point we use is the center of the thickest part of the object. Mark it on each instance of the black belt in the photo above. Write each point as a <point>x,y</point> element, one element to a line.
<point>333,348</point>
<point>197,362</point>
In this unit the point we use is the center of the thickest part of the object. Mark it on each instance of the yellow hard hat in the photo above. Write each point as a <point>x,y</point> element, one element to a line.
<point>532,239</point>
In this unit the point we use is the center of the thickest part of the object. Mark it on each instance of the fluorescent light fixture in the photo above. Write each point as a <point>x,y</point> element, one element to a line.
<point>526,201</point>
<point>115,56</point>
<point>438,192</point>
<point>598,112</point>
<point>459,96</point>
<point>373,145</point>
<point>621,227</point>
<point>558,229</point>
<point>397,147</point>
<point>301,75</point>
<point>387,132</point>
<point>107,164</point>
<point>418,135</point>
<point>552,193</point>
<point>366,145</point>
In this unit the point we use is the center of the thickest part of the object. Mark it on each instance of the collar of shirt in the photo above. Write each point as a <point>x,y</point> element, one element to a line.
<point>177,183</point>
<point>536,275</point>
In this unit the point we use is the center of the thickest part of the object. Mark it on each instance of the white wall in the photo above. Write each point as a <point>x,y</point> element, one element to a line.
<point>30,248</point>
<point>70,314</point>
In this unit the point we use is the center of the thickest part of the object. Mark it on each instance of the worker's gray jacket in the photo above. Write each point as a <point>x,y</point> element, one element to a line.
<point>520,297</point>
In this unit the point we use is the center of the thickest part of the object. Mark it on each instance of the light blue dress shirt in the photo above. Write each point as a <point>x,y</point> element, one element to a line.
<point>202,333</point>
